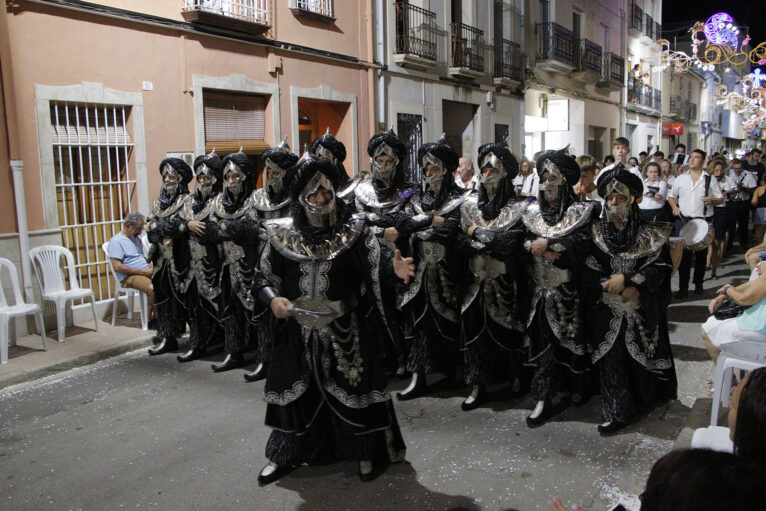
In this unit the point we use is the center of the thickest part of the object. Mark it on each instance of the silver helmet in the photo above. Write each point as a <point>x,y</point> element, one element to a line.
<point>234,186</point>
<point>387,171</point>
<point>320,215</point>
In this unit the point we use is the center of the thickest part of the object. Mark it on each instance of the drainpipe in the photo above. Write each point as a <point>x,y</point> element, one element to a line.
<point>21,219</point>
<point>380,58</point>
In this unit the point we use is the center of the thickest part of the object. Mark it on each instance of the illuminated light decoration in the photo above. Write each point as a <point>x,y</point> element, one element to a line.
<point>719,30</point>
<point>757,77</point>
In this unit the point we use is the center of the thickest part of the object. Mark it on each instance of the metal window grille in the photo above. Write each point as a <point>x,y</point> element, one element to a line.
<point>95,183</point>
<point>322,7</point>
<point>410,130</point>
<point>254,11</point>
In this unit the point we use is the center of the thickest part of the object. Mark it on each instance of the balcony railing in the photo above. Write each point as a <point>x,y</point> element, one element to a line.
<point>510,63</point>
<point>636,20</point>
<point>643,95</point>
<point>649,27</point>
<point>555,42</point>
<point>614,69</point>
<point>675,104</point>
<point>415,31</point>
<point>319,9</point>
<point>467,47</point>
<point>249,11</point>
<point>589,57</point>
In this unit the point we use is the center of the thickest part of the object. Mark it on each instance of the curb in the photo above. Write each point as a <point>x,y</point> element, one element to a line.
<point>82,360</point>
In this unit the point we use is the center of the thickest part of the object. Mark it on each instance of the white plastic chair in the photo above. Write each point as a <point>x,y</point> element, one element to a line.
<point>53,286</point>
<point>131,294</point>
<point>12,311</point>
<point>744,355</point>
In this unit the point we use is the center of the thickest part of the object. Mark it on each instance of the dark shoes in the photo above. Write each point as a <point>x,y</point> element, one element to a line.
<point>192,354</point>
<point>366,471</point>
<point>416,388</point>
<point>167,344</point>
<point>543,415</point>
<point>475,399</point>
<point>611,427</point>
<point>682,293</point>
<point>698,289</point>
<point>230,362</point>
<point>270,474</point>
<point>258,374</point>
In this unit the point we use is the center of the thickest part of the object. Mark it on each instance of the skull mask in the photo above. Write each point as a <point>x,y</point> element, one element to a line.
<point>234,186</point>
<point>618,212</point>
<point>433,182</point>
<point>205,182</point>
<point>551,186</point>
<point>384,172</point>
<point>492,173</point>
<point>170,179</point>
<point>319,215</point>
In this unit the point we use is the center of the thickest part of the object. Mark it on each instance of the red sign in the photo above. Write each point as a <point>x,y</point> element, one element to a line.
<point>672,128</point>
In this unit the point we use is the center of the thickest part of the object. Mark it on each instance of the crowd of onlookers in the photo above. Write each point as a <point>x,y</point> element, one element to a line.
<point>726,467</point>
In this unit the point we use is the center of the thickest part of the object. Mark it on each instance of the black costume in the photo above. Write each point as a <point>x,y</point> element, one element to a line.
<point>202,287</point>
<point>167,233</point>
<point>630,337</point>
<point>272,201</point>
<point>237,229</point>
<point>326,388</point>
<point>490,330</point>
<point>557,348</point>
<point>431,300</point>
<point>383,198</point>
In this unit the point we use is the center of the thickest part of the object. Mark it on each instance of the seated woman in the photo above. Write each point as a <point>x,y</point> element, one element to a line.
<point>748,325</point>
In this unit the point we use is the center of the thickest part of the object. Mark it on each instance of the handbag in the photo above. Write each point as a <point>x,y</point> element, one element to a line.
<point>728,309</point>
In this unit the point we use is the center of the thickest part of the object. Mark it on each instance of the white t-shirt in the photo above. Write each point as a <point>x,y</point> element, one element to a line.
<point>654,202</point>
<point>473,184</point>
<point>531,184</point>
<point>518,183</point>
<point>746,180</point>
<point>689,195</point>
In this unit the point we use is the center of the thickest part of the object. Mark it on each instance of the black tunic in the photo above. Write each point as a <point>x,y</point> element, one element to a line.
<point>167,230</point>
<point>326,387</point>
<point>630,341</point>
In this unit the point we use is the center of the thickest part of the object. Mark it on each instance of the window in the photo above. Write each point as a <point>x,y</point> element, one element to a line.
<point>322,9</point>
<point>502,132</point>
<point>95,182</point>
<point>234,121</point>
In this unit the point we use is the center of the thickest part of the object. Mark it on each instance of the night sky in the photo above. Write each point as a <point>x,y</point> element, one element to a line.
<point>678,16</point>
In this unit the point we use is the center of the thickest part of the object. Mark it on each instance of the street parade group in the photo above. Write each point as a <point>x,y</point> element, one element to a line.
<point>330,286</point>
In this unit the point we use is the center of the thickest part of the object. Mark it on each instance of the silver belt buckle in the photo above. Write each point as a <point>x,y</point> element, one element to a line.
<point>315,312</point>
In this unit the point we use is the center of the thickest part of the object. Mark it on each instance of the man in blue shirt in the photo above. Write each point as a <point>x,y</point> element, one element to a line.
<point>127,255</point>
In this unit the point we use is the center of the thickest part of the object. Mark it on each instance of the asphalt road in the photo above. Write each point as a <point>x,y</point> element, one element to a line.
<point>149,433</point>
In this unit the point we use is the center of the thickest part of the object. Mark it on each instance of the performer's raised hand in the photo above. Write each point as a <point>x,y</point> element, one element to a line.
<point>391,234</point>
<point>538,247</point>
<point>280,306</point>
<point>404,267</point>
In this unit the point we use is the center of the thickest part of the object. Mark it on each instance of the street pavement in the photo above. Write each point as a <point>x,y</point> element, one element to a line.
<point>140,432</point>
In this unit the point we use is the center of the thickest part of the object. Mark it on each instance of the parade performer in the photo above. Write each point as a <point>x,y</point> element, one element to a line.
<point>322,272</point>
<point>383,198</point>
<point>170,253</point>
<point>327,147</point>
<point>628,273</point>
<point>237,229</point>
<point>272,201</point>
<point>490,331</point>
<point>431,300</point>
<point>558,236</point>
<point>202,286</point>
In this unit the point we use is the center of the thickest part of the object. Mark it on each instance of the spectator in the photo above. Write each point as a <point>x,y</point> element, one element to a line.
<point>755,255</point>
<point>633,162</point>
<point>585,159</point>
<point>642,156</point>
<point>127,256</point>
<point>652,207</point>
<point>759,202</point>
<point>680,149</point>
<point>668,172</point>
<point>739,189</point>
<point>747,418</point>
<point>748,325</point>
<point>585,189</point>
<point>608,161</point>
<point>465,175</point>
<point>754,166</point>
<point>721,214</point>
<point>658,156</point>
<point>525,169</point>
<point>531,181</point>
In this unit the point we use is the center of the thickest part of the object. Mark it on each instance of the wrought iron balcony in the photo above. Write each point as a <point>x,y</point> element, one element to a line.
<point>248,16</point>
<point>555,47</point>
<point>321,10</point>
<point>657,99</point>
<point>636,18</point>
<point>589,57</point>
<point>643,95</point>
<point>467,51</point>
<point>614,69</point>
<point>415,36</point>
<point>649,27</point>
<point>509,62</point>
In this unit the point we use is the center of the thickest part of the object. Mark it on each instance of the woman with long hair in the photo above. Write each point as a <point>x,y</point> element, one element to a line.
<point>720,219</point>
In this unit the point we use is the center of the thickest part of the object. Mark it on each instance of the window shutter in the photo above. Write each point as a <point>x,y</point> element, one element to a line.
<point>234,117</point>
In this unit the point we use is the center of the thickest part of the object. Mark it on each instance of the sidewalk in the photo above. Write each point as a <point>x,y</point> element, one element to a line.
<point>83,346</point>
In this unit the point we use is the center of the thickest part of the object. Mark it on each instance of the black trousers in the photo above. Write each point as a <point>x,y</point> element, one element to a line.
<point>739,215</point>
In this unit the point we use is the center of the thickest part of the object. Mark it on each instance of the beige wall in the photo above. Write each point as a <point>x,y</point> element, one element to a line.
<point>121,54</point>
